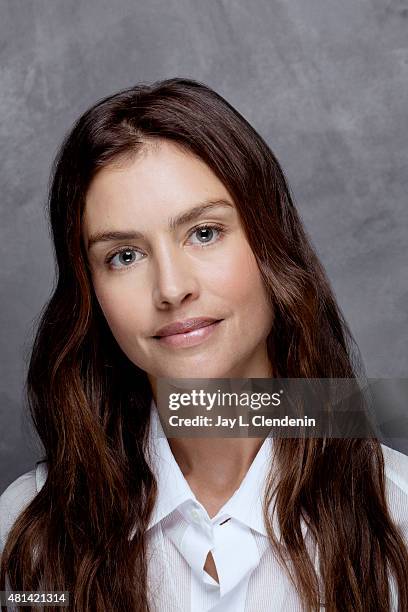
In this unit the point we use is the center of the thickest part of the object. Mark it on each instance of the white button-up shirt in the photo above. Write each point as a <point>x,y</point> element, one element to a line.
<point>180,535</point>
<point>236,536</point>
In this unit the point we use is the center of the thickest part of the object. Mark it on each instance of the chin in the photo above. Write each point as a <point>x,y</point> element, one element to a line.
<point>197,371</point>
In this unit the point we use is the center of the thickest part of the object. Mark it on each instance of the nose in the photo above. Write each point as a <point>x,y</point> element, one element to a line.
<point>175,280</point>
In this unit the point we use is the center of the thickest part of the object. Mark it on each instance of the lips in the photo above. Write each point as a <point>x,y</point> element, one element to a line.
<point>183,327</point>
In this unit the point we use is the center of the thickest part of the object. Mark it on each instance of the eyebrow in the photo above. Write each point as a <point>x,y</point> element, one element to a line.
<point>173,222</point>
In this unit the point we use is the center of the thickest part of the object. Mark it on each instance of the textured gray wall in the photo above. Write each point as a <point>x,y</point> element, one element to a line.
<point>323,81</point>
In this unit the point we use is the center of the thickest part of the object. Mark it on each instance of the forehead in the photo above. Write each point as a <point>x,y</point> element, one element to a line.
<point>161,181</point>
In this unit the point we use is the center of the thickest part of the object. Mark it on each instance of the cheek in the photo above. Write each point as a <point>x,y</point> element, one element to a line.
<point>240,281</point>
<point>119,310</point>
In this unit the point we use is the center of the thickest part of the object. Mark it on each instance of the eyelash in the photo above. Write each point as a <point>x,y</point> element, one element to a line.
<point>214,226</point>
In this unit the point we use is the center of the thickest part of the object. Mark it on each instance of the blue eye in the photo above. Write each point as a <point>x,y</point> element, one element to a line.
<point>207,233</point>
<point>125,256</point>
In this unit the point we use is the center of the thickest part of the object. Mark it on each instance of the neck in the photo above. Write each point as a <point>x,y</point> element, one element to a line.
<point>215,467</point>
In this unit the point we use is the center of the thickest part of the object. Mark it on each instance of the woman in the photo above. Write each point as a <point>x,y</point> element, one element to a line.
<point>168,208</point>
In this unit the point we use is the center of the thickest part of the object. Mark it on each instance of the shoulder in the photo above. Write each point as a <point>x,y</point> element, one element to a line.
<point>396,483</point>
<point>17,496</point>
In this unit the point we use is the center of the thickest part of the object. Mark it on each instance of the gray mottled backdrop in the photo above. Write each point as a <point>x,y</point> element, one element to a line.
<point>323,81</point>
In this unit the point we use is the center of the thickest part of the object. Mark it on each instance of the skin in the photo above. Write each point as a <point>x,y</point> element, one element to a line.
<point>171,275</point>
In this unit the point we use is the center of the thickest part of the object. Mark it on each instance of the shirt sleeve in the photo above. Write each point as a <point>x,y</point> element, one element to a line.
<point>396,475</point>
<point>13,502</point>
<point>396,485</point>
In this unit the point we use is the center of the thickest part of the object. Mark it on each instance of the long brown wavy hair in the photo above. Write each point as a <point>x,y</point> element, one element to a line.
<point>91,406</point>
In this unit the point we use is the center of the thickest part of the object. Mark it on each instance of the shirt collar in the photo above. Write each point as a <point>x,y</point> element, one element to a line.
<point>172,488</point>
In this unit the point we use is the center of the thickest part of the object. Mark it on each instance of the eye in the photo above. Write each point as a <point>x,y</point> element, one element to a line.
<point>205,233</point>
<point>123,257</point>
<point>127,256</point>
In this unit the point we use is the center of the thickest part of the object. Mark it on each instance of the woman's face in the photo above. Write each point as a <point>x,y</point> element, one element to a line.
<point>159,272</point>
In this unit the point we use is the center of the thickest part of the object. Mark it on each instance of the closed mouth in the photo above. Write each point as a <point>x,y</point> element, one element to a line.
<point>186,329</point>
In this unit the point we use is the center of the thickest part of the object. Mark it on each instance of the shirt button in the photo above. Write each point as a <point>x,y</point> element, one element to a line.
<point>195,515</point>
